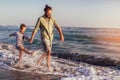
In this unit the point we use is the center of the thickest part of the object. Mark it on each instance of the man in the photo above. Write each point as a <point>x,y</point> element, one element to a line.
<point>45,23</point>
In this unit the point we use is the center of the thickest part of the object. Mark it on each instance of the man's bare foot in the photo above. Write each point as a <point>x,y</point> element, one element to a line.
<point>50,69</point>
<point>38,62</point>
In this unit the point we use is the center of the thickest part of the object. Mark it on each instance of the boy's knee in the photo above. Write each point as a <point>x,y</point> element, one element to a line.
<point>22,48</point>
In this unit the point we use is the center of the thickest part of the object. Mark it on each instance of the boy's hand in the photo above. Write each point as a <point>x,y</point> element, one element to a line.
<point>62,38</point>
<point>10,35</point>
<point>30,40</point>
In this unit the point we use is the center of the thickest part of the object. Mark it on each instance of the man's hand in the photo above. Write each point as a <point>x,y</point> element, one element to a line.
<point>62,38</point>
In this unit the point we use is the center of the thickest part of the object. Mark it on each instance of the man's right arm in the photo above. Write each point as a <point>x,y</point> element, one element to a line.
<point>35,30</point>
<point>32,37</point>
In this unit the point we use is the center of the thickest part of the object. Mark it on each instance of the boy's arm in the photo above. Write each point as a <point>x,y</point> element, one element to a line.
<point>60,31</point>
<point>25,37</point>
<point>35,30</point>
<point>12,34</point>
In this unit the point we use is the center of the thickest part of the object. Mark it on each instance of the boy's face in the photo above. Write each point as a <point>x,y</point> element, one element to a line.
<point>23,29</point>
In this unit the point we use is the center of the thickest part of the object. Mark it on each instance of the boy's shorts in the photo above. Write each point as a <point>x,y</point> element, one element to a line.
<point>47,45</point>
<point>17,47</point>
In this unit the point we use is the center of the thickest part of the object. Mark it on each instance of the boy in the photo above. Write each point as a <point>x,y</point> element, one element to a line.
<point>19,43</point>
<point>45,23</point>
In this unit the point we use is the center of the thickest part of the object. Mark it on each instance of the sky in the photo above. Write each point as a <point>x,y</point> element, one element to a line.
<point>68,13</point>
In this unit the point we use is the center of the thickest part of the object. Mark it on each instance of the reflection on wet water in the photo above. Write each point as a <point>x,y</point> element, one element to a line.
<point>108,35</point>
<point>113,39</point>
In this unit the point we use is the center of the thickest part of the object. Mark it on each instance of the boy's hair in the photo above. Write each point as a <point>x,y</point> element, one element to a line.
<point>22,25</point>
<point>47,8</point>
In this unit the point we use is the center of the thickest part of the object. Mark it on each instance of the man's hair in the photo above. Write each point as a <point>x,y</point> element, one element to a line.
<point>22,25</point>
<point>47,8</point>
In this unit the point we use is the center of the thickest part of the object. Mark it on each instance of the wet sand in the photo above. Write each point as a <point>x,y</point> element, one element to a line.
<point>6,74</point>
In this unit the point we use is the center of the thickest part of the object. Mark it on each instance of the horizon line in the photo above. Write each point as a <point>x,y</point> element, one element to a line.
<point>64,26</point>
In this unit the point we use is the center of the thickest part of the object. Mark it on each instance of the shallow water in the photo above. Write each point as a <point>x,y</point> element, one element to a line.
<point>72,66</point>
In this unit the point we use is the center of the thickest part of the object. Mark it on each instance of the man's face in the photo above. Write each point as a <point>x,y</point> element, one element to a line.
<point>48,13</point>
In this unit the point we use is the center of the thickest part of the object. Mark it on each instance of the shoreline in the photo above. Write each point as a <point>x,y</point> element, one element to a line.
<point>90,58</point>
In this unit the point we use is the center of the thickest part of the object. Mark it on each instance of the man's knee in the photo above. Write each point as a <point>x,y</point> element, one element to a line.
<point>48,52</point>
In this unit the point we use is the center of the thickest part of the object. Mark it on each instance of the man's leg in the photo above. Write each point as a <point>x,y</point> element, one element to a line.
<point>47,48</point>
<point>49,59</point>
<point>41,59</point>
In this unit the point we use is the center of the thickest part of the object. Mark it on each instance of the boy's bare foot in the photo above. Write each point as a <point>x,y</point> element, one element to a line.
<point>32,53</point>
<point>19,65</point>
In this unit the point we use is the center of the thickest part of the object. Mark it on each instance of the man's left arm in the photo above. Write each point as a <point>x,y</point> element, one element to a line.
<point>59,30</point>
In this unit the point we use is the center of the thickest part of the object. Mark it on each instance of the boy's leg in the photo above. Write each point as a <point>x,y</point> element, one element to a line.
<point>28,52</point>
<point>25,50</point>
<point>19,63</point>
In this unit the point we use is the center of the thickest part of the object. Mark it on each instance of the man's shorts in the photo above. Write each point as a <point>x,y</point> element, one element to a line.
<point>47,45</point>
